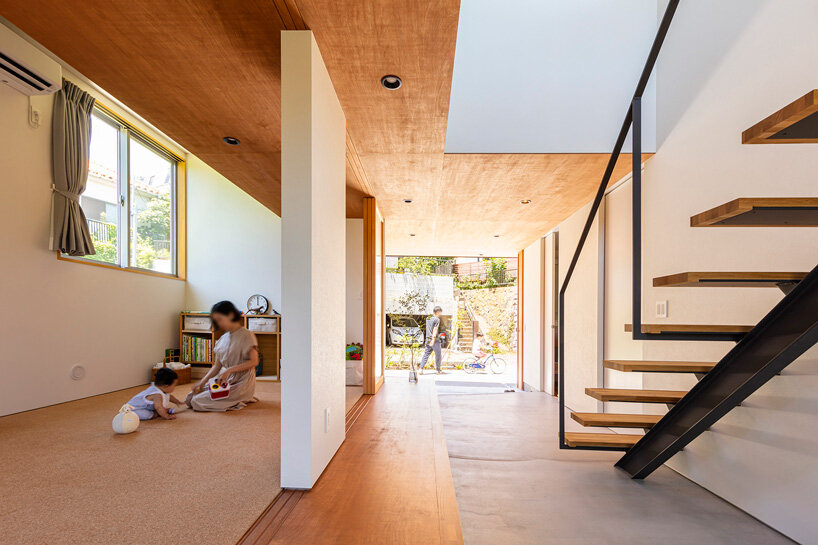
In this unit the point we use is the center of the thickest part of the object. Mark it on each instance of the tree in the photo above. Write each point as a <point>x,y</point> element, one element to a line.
<point>421,264</point>
<point>413,302</point>
<point>496,269</point>
<point>154,221</point>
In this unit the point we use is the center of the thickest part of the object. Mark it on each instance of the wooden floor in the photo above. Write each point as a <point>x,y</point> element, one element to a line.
<point>390,482</point>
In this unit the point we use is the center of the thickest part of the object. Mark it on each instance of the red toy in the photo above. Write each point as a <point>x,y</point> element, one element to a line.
<point>218,390</point>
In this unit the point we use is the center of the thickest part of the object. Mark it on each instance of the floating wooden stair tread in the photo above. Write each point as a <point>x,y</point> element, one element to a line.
<point>728,279</point>
<point>617,440</point>
<point>660,366</point>
<point>690,328</point>
<point>761,212</point>
<point>795,123</point>
<point>636,396</point>
<point>613,420</point>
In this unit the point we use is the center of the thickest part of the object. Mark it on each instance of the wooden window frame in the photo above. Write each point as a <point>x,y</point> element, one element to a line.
<point>180,225</point>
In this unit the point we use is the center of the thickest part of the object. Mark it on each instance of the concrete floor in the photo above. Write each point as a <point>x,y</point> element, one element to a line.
<point>515,486</point>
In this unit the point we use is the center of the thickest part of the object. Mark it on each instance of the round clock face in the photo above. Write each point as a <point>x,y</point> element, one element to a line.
<point>257,304</point>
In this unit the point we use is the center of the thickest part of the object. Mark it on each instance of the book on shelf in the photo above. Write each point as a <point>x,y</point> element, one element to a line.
<point>197,349</point>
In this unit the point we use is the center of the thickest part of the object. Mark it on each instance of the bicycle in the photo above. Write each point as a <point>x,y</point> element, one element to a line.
<point>491,362</point>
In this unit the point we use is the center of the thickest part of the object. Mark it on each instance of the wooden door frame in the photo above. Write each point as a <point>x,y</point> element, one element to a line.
<point>520,318</point>
<point>372,222</point>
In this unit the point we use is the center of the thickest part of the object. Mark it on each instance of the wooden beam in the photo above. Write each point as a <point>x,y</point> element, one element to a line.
<point>520,317</point>
<point>373,304</point>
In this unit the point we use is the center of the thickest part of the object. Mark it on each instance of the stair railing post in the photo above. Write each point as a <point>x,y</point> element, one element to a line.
<point>636,216</point>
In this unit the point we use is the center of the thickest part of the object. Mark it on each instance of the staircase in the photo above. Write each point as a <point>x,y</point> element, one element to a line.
<point>465,328</point>
<point>762,350</point>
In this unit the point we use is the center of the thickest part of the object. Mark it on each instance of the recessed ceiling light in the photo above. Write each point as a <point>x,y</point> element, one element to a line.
<point>407,201</point>
<point>496,236</point>
<point>391,82</point>
<point>231,141</point>
<point>525,201</point>
<point>411,234</point>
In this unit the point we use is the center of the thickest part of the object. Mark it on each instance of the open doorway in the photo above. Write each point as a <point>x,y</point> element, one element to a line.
<point>477,332</point>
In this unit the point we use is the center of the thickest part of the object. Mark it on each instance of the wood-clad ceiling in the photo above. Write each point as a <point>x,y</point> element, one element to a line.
<point>200,70</point>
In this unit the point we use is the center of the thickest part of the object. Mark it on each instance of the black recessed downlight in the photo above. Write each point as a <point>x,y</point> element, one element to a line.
<point>391,82</point>
<point>407,201</point>
<point>411,234</point>
<point>231,141</point>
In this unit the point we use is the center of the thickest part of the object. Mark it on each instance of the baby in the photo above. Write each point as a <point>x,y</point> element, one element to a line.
<point>155,400</point>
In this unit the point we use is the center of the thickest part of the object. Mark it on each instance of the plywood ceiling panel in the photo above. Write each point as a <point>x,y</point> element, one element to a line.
<point>198,70</point>
<point>202,69</point>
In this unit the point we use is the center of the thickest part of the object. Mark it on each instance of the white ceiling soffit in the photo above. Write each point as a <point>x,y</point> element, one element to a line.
<point>549,76</point>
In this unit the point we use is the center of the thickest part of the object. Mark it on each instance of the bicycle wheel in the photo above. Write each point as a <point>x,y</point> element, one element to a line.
<point>470,365</point>
<point>497,365</point>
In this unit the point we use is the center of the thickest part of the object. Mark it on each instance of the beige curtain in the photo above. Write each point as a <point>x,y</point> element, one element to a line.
<point>71,141</point>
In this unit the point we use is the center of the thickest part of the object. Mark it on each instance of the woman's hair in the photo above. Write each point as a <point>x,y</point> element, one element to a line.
<point>479,333</point>
<point>228,309</point>
<point>165,377</point>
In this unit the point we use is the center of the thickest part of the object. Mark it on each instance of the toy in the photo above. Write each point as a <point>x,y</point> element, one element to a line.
<point>126,421</point>
<point>218,390</point>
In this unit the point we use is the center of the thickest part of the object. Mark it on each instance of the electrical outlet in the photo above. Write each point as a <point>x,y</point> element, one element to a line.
<point>326,420</point>
<point>661,309</point>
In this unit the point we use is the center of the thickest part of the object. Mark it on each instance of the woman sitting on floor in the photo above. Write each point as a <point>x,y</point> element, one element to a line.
<point>235,358</point>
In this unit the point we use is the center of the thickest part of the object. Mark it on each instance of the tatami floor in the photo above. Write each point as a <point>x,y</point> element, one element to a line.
<point>515,486</point>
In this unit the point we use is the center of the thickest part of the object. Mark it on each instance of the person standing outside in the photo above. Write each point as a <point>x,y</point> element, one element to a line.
<point>433,331</point>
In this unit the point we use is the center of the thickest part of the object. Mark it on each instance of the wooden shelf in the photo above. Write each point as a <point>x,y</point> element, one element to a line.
<point>795,123</point>
<point>636,396</point>
<point>690,328</point>
<point>581,439</point>
<point>761,212</point>
<point>269,342</point>
<point>613,420</point>
<point>659,366</point>
<point>728,279</point>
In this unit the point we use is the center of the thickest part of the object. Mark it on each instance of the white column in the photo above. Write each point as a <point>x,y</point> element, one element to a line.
<point>313,141</point>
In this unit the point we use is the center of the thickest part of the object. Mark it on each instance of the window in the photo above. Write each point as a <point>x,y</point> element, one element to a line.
<point>130,197</point>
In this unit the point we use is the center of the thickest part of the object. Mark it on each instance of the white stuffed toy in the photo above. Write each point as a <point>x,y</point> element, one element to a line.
<point>126,421</point>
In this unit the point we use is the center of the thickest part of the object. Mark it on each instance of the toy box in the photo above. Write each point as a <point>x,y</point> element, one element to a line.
<point>217,390</point>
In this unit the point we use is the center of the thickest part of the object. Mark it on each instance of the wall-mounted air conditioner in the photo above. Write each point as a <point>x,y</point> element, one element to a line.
<point>26,68</point>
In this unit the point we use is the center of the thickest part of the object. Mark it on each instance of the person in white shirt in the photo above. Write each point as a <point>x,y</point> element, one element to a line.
<point>477,346</point>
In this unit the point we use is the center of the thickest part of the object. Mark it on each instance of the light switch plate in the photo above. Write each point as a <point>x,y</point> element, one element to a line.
<point>326,420</point>
<point>661,309</point>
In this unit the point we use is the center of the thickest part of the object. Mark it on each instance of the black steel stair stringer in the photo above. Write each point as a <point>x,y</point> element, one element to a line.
<point>785,333</point>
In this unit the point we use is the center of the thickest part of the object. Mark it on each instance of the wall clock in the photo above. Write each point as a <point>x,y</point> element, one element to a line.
<point>257,304</point>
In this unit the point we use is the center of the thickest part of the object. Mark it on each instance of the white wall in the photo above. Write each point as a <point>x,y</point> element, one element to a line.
<point>313,166</point>
<point>582,366</point>
<point>58,313</point>
<point>233,242</point>
<point>533,315</point>
<point>561,75</point>
<point>620,345</point>
<point>355,281</point>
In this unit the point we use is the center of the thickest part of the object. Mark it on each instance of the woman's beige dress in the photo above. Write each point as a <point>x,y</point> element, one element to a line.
<point>231,349</point>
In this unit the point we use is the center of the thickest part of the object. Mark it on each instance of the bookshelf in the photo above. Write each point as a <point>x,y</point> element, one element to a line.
<point>197,337</point>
